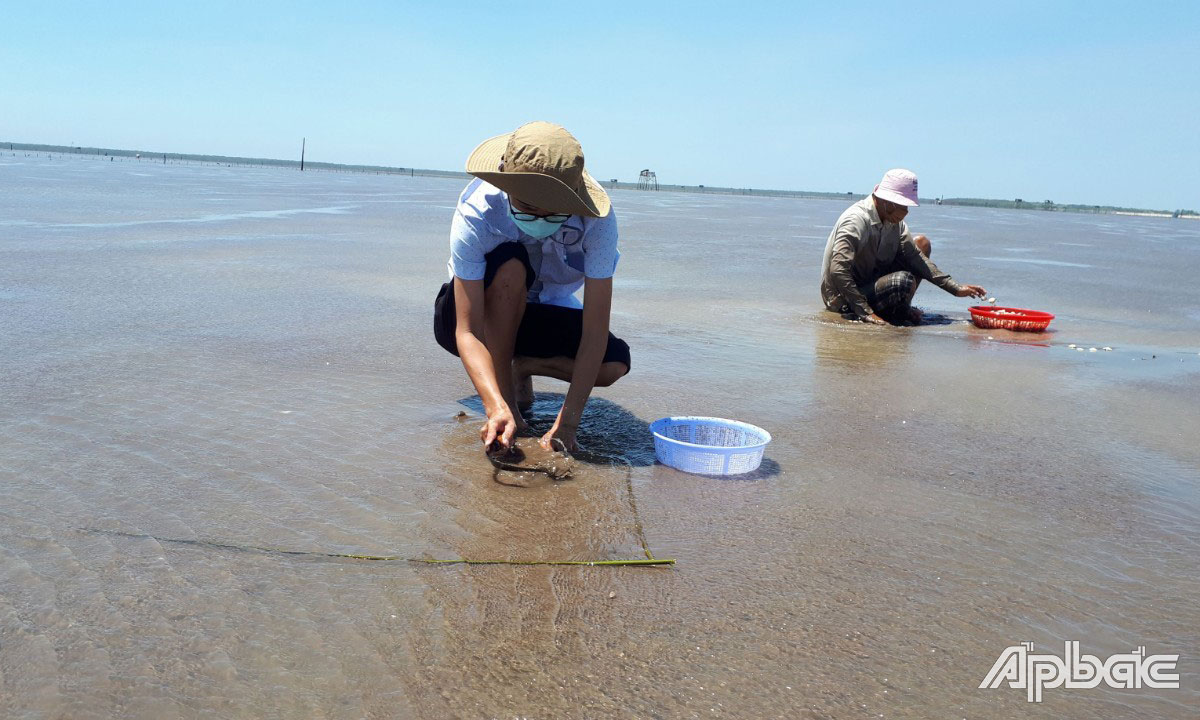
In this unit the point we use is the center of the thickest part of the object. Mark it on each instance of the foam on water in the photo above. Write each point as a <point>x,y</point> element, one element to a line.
<point>253,215</point>
<point>1035,261</point>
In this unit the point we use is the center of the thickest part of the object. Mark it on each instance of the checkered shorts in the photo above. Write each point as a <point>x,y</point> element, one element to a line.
<point>891,295</point>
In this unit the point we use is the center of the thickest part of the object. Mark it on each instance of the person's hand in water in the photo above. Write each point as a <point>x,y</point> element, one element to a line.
<point>565,435</point>
<point>971,291</point>
<point>500,428</point>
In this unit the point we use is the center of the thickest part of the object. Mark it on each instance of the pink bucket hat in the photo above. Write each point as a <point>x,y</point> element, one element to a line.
<point>898,186</point>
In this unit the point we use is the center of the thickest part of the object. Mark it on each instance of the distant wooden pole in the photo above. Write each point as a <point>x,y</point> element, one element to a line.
<point>302,142</point>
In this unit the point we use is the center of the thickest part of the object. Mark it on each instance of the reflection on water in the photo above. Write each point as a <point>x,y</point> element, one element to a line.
<point>841,344</point>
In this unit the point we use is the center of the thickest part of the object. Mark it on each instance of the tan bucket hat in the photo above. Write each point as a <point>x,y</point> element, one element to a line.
<point>540,164</point>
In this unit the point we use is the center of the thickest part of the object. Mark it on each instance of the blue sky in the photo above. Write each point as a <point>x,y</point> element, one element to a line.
<point>1075,102</point>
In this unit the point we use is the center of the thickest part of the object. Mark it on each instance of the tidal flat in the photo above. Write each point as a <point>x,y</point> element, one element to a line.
<point>245,357</point>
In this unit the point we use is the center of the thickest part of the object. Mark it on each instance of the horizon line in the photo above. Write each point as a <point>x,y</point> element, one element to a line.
<point>1018,203</point>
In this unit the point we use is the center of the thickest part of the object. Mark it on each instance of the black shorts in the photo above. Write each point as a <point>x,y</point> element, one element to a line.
<point>545,331</point>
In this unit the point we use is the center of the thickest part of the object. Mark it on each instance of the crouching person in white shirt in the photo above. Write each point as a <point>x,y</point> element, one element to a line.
<point>529,232</point>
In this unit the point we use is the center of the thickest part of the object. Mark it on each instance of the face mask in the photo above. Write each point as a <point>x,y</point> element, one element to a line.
<point>539,228</point>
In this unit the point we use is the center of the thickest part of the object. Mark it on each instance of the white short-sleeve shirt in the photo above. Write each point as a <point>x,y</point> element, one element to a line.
<point>582,247</point>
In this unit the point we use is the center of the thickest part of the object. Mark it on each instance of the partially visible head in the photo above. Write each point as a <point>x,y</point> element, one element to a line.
<point>895,194</point>
<point>540,166</point>
<point>542,147</point>
<point>889,212</point>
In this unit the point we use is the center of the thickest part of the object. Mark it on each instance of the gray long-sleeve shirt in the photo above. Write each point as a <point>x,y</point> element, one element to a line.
<point>860,248</point>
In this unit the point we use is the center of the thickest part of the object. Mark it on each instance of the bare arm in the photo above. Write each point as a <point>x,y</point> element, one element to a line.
<point>597,307</point>
<point>469,334</point>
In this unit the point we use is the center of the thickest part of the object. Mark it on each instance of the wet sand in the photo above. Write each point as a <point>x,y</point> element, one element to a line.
<point>245,357</point>
<point>525,462</point>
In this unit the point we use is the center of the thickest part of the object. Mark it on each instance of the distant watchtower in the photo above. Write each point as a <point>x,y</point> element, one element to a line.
<point>647,180</point>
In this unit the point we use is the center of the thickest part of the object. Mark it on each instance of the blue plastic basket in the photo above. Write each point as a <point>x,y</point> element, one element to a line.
<point>709,445</point>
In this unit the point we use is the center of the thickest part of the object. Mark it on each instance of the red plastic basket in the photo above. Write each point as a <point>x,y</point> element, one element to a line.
<point>1006,318</point>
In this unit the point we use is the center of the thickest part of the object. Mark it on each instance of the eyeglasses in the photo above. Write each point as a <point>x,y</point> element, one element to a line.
<point>556,218</point>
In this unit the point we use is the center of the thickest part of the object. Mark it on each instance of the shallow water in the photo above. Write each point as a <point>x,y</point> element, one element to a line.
<point>244,356</point>
<point>525,462</point>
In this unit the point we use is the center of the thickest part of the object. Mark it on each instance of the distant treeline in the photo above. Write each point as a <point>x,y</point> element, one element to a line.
<point>161,157</point>
<point>1051,206</point>
<point>155,156</point>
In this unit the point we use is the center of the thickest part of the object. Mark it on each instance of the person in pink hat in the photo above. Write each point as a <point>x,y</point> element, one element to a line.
<point>873,263</point>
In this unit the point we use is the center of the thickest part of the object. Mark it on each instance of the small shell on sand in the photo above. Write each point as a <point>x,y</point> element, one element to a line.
<point>1072,346</point>
<point>992,300</point>
<point>1106,348</point>
<point>1091,349</point>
